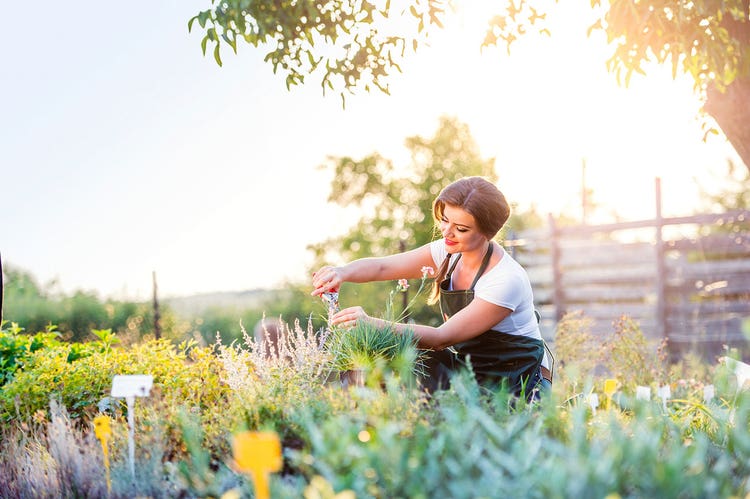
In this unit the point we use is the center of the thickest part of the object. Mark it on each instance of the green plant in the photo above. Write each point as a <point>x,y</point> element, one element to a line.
<point>368,346</point>
<point>268,385</point>
<point>630,358</point>
<point>16,347</point>
<point>577,352</point>
<point>379,349</point>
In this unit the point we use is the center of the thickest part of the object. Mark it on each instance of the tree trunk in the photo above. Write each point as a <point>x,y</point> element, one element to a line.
<point>731,110</point>
<point>731,107</point>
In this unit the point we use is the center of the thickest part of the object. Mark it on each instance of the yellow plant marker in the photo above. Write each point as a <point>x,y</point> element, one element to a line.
<point>610,387</point>
<point>258,453</point>
<point>102,431</point>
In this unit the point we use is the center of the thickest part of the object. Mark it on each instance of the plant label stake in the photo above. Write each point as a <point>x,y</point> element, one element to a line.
<point>643,393</point>
<point>129,387</point>
<point>103,430</point>
<point>708,393</point>
<point>258,453</point>
<point>610,387</point>
<point>664,392</point>
<point>593,402</point>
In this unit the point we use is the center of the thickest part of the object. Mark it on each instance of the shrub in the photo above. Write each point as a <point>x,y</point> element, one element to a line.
<point>577,352</point>
<point>183,376</point>
<point>630,358</point>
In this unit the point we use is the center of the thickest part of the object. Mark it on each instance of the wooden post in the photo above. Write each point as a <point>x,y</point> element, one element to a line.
<point>157,316</point>
<point>557,295</point>
<point>661,305</point>
<point>511,237</point>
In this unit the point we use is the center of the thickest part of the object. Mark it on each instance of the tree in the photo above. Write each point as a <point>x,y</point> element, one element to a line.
<point>351,42</point>
<point>397,208</point>
<point>356,44</point>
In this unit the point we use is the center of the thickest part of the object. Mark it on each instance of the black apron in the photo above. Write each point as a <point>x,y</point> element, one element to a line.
<point>495,357</point>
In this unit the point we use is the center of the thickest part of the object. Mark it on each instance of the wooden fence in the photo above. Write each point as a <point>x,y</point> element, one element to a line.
<point>685,278</point>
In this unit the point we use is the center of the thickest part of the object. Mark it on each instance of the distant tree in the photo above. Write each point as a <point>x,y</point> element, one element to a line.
<point>33,307</point>
<point>357,44</point>
<point>397,208</point>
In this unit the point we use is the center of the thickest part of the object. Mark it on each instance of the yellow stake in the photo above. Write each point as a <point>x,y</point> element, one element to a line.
<point>258,453</point>
<point>610,387</point>
<point>103,430</point>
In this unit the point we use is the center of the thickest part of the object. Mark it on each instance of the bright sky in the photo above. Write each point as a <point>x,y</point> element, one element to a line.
<point>125,151</point>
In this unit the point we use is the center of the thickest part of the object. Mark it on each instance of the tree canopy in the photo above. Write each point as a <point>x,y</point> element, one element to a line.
<point>357,44</point>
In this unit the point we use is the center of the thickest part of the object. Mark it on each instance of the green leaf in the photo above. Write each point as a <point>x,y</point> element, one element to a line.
<point>203,17</point>
<point>217,56</point>
<point>203,44</point>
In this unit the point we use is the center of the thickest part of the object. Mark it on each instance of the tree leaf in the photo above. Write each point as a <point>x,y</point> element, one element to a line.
<point>217,56</point>
<point>203,44</point>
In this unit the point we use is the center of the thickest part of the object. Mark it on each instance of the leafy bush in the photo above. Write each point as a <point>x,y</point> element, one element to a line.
<point>183,376</point>
<point>16,347</point>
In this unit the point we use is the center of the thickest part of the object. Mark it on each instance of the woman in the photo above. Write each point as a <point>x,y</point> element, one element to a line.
<point>485,296</point>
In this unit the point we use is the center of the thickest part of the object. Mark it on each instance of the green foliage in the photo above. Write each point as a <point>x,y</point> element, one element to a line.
<point>389,440</point>
<point>625,355</point>
<point>629,357</point>
<point>577,351</point>
<point>363,44</point>
<point>397,208</point>
<point>374,349</point>
<point>269,385</point>
<point>34,307</point>
<point>15,347</point>
<point>352,44</point>
<point>705,38</point>
<point>80,376</point>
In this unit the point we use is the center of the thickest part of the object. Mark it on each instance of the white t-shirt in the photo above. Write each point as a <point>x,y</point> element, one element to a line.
<point>507,285</point>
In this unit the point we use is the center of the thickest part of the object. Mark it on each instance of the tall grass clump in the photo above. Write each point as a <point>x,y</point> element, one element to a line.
<point>50,459</point>
<point>369,347</point>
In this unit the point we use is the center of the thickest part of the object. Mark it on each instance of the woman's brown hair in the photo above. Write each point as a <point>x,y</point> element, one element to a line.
<point>482,200</point>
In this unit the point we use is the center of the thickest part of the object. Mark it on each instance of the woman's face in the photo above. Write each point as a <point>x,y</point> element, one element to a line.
<point>460,230</point>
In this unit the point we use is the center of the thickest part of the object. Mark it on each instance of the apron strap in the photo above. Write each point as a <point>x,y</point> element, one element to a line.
<point>453,267</point>
<point>482,267</point>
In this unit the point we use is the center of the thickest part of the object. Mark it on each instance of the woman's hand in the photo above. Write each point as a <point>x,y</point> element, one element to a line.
<point>326,279</point>
<point>349,317</point>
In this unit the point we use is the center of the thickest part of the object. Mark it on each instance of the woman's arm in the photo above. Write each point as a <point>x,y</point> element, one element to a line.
<point>476,318</point>
<point>407,265</point>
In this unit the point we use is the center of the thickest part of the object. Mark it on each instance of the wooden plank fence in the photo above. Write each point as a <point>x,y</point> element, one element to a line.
<point>683,278</point>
